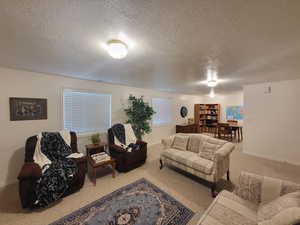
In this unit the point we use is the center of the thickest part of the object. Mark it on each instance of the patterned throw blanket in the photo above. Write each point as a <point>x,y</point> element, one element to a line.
<point>124,137</point>
<point>58,174</point>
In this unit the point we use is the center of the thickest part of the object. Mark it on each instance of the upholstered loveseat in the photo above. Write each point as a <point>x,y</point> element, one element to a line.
<point>257,200</point>
<point>203,156</point>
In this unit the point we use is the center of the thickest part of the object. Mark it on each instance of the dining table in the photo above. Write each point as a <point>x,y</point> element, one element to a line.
<point>213,128</point>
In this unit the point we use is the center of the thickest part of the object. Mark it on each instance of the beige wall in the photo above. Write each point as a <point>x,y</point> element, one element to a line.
<point>271,125</point>
<point>235,98</point>
<point>16,83</point>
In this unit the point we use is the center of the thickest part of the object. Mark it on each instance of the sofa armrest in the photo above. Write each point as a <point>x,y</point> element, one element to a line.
<point>222,160</point>
<point>30,170</point>
<point>224,151</point>
<point>142,144</point>
<point>81,163</point>
<point>116,148</point>
<point>258,189</point>
<point>80,160</point>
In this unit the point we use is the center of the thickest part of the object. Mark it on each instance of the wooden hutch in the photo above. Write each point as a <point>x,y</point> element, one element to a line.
<point>206,115</point>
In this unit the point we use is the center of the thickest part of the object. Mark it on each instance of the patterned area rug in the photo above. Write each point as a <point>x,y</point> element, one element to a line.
<point>139,203</point>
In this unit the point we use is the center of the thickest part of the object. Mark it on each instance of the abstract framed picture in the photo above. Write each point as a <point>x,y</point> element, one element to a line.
<point>28,109</point>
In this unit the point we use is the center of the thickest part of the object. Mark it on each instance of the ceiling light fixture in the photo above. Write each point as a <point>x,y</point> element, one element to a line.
<point>212,93</point>
<point>212,78</point>
<point>212,83</point>
<point>117,49</point>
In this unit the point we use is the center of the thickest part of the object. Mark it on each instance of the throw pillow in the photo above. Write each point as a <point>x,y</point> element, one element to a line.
<point>271,209</point>
<point>194,144</point>
<point>180,142</point>
<point>209,148</point>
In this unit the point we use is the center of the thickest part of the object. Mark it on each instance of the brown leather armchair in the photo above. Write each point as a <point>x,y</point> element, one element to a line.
<point>31,172</point>
<point>126,161</point>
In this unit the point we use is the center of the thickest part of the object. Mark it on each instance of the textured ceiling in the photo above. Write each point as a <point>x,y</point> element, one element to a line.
<point>173,41</point>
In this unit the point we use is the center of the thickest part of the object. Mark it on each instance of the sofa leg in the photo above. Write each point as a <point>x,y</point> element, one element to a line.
<point>161,164</point>
<point>213,190</point>
<point>228,175</point>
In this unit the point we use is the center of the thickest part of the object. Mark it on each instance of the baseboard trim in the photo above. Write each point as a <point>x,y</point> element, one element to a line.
<point>271,158</point>
<point>9,185</point>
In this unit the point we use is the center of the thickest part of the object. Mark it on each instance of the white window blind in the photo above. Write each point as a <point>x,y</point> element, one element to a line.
<point>86,112</point>
<point>163,109</point>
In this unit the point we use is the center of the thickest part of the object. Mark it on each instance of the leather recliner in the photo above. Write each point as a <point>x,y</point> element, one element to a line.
<point>31,172</point>
<point>125,160</point>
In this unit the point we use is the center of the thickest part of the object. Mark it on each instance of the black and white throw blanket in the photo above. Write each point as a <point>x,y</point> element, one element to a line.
<point>58,169</point>
<point>124,136</point>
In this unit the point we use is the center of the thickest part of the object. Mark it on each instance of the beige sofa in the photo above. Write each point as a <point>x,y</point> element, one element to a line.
<point>200,155</point>
<point>254,202</point>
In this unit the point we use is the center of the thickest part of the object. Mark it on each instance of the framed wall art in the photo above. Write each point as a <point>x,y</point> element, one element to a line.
<point>183,111</point>
<point>235,112</point>
<point>28,109</point>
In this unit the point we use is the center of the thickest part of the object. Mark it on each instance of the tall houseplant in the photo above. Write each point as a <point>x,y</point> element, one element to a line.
<point>139,115</point>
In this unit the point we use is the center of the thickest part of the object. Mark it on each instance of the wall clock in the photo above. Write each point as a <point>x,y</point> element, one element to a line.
<point>183,111</point>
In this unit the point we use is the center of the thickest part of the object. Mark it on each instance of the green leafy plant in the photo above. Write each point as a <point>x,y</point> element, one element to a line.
<point>139,115</point>
<point>95,138</point>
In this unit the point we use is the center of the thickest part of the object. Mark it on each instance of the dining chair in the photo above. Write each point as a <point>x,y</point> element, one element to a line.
<point>225,131</point>
<point>234,129</point>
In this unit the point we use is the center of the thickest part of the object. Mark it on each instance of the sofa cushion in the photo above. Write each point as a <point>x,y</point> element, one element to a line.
<point>190,159</point>
<point>209,148</point>
<point>229,209</point>
<point>286,217</point>
<point>271,209</point>
<point>180,142</point>
<point>195,142</point>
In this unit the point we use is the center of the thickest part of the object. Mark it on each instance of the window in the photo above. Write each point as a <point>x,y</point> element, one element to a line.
<point>163,109</point>
<point>86,112</point>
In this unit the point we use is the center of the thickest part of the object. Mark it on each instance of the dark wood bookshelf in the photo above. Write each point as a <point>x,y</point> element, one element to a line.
<point>206,115</point>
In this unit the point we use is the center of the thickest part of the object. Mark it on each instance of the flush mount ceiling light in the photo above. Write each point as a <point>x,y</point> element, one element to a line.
<point>117,49</point>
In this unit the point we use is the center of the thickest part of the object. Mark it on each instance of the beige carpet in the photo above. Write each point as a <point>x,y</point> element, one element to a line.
<point>187,189</point>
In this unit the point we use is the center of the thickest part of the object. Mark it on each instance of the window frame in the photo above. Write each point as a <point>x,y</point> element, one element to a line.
<point>88,91</point>
<point>172,113</point>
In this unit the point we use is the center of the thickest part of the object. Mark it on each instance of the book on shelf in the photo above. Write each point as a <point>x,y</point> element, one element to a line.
<point>206,114</point>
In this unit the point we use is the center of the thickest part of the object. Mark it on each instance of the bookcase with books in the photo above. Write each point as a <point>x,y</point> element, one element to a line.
<point>206,115</point>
